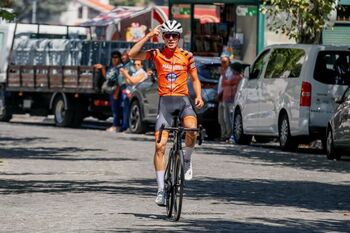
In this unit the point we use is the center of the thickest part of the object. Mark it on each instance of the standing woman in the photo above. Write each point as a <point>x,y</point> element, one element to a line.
<point>138,76</point>
<point>229,85</point>
<point>112,75</point>
<point>226,73</point>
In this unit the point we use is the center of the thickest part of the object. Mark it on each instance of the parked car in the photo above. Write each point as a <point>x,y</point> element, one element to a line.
<point>338,130</point>
<point>289,93</point>
<point>144,100</point>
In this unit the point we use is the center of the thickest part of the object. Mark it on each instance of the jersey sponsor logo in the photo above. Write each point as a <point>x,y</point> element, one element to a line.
<point>172,67</point>
<point>171,77</point>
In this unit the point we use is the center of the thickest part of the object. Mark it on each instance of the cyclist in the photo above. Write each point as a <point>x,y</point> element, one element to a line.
<point>172,65</point>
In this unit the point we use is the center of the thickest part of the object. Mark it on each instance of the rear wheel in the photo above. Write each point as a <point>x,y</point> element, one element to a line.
<point>5,114</point>
<point>238,133</point>
<point>287,142</point>
<point>63,117</point>
<point>135,119</point>
<point>331,151</point>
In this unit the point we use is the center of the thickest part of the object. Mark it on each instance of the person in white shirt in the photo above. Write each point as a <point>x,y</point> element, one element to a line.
<point>139,76</point>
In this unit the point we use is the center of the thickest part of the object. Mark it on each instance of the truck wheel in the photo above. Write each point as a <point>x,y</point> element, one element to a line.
<point>5,114</point>
<point>135,119</point>
<point>238,133</point>
<point>287,142</point>
<point>63,117</point>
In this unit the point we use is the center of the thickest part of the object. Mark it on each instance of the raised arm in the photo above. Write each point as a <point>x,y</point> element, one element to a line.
<point>133,80</point>
<point>136,52</point>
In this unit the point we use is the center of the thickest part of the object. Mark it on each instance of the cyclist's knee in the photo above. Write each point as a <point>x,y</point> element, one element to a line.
<point>190,122</point>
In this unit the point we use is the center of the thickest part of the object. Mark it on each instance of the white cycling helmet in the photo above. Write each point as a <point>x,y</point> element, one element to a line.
<point>171,26</point>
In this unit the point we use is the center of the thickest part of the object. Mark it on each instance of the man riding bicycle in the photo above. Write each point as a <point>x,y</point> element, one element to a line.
<point>172,64</point>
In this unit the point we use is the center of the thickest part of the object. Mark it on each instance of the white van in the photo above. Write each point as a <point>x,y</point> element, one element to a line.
<point>289,92</point>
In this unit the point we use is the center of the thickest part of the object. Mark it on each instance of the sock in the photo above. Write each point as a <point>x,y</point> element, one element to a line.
<point>160,180</point>
<point>188,152</point>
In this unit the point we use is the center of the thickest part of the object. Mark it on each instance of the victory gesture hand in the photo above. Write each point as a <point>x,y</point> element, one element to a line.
<point>155,31</point>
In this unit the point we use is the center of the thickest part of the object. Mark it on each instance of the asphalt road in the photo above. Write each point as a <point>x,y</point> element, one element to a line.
<point>88,180</point>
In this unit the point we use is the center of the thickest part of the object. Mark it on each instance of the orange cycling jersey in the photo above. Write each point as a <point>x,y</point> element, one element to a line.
<point>172,68</point>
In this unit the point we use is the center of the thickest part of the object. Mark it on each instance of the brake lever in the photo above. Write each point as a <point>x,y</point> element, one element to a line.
<point>160,133</point>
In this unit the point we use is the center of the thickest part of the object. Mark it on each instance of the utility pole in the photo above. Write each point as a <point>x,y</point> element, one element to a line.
<point>34,12</point>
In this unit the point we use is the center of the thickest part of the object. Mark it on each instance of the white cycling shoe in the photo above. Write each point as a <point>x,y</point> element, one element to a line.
<point>160,199</point>
<point>188,169</point>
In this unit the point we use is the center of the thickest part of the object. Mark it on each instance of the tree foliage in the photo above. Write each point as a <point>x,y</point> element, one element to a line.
<point>302,20</point>
<point>4,12</point>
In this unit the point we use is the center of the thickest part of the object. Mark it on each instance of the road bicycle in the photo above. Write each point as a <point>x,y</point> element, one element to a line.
<point>174,172</point>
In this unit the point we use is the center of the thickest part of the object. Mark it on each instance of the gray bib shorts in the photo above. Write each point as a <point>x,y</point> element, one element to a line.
<point>169,106</point>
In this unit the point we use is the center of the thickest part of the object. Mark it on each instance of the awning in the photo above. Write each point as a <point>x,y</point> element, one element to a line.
<point>116,15</point>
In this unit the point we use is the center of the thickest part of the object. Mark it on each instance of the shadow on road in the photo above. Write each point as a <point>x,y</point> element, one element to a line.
<point>266,225</point>
<point>234,193</point>
<point>144,187</point>
<point>314,196</point>
<point>14,150</point>
<point>270,155</point>
<point>301,194</point>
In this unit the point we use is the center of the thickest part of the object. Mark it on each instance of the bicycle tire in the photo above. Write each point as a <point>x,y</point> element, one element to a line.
<point>178,186</point>
<point>168,182</point>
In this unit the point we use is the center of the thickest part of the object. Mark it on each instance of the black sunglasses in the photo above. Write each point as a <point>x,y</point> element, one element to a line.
<point>173,35</point>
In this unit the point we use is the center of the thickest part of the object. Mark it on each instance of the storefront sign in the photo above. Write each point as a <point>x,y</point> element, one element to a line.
<point>246,11</point>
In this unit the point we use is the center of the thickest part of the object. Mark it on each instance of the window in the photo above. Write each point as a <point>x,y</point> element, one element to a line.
<point>209,71</point>
<point>259,65</point>
<point>80,12</point>
<point>333,67</point>
<point>285,62</point>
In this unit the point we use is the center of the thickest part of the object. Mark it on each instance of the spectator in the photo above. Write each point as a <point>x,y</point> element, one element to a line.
<point>129,67</point>
<point>138,76</point>
<point>112,74</point>
<point>228,83</point>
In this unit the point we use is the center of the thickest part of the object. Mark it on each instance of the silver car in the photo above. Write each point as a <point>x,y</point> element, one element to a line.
<point>338,130</point>
<point>288,93</point>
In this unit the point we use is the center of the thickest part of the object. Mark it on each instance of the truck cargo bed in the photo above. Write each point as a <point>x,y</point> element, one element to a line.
<point>75,79</point>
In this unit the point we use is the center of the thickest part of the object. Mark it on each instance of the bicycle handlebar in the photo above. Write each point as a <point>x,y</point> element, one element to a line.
<point>199,129</point>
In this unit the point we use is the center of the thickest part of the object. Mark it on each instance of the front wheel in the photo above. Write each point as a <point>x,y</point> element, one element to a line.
<point>178,187</point>
<point>332,153</point>
<point>238,133</point>
<point>287,142</point>
<point>168,184</point>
